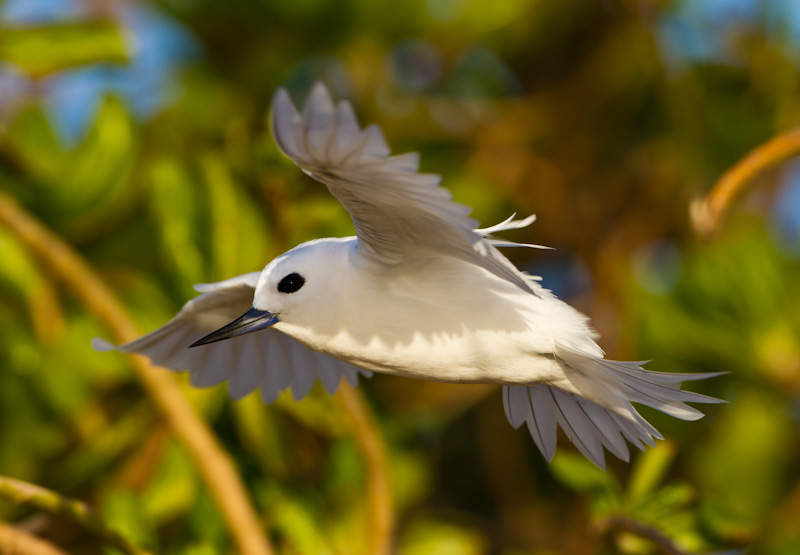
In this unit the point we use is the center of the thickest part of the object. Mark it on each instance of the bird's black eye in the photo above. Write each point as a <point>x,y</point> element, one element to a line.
<point>291,283</point>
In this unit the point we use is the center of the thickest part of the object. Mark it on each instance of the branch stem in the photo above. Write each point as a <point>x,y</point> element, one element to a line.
<point>17,542</point>
<point>214,464</point>
<point>20,492</point>
<point>380,502</point>
<point>708,213</point>
<point>662,543</point>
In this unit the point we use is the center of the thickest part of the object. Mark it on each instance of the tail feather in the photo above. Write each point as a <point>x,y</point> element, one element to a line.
<point>607,427</point>
<point>580,429</point>
<point>594,407</point>
<point>542,420</point>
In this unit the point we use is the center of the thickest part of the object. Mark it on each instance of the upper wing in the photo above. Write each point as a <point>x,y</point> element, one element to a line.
<point>398,213</point>
<point>268,360</point>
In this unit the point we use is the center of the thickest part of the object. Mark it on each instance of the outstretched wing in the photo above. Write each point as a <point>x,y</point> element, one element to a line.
<point>398,213</point>
<point>268,360</point>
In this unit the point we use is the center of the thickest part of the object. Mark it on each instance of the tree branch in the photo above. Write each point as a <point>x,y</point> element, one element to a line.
<point>20,492</point>
<point>17,542</point>
<point>380,502</point>
<point>708,213</point>
<point>658,538</point>
<point>213,463</point>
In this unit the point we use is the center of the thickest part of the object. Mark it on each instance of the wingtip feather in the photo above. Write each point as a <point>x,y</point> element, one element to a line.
<point>102,346</point>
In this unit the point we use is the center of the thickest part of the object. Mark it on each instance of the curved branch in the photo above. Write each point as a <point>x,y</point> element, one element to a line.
<point>213,463</point>
<point>17,542</point>
<point>380,502</point>
<point>662,543</point>
<point>20,492</point>
<point>708,213</point>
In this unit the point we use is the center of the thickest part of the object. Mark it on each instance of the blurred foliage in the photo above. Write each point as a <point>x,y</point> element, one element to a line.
<point>41,51</point>
<point>603,118</point>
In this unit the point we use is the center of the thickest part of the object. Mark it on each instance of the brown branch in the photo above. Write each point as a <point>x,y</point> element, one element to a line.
<point>20,492</point>
<point>380,502</point>
<point>17,542</point>
<point>623,523</point>
<point>708,213</point>
<point>213,463</point>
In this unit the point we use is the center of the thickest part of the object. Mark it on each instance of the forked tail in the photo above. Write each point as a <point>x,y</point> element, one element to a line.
<point>608,416</point>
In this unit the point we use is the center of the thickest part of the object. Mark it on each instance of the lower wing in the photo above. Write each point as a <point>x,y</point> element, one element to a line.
<point>268,360</point>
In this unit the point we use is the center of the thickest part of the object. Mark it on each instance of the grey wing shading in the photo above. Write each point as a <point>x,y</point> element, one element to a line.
<point>590,425</point>
<point>398,212</point>
<point>268,360</point>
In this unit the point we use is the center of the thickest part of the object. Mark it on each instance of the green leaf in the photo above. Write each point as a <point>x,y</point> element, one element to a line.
<point>36,149</point>
<point>224,216</point>
<point>174,486</point>
<point>201,548</point>
<point>297,521</point>
<point>17,272</point>
<point>259,431</point>
<point>41,51</point>
<point>649,469</point>
<point>125,513</point>
<point>579,474</point>
<point>740,467</point>
<point>94,194</point>
<point>173,202</point>
<point>431,535</point>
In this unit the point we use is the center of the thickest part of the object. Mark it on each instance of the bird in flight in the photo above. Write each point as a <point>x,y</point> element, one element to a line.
<point>419,292</point>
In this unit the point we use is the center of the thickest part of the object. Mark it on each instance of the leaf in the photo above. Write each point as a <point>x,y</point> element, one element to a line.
<point>125,513</point>
<point>579,474</point>
<point>17,272</point>
<point>41,51</point>
<point>174,208</point>
<point>649,470</point>
<point>430,535</point>
<point>258,431</point>
<point>200,548</point>
<point>740,467</point>
<point>297,521</point>
<point>173,488</point>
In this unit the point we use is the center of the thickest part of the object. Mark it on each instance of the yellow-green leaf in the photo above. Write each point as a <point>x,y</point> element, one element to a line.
<point>43,50</point>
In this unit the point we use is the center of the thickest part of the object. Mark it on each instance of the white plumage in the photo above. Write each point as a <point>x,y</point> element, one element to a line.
<point>419,292</point>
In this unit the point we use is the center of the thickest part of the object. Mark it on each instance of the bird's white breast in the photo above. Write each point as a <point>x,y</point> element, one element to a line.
<point>439,319</point>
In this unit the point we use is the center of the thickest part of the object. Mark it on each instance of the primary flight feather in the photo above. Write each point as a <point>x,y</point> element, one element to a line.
<point>418,292</point>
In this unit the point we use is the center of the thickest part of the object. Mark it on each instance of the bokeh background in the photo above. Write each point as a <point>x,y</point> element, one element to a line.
<point>137,132</point>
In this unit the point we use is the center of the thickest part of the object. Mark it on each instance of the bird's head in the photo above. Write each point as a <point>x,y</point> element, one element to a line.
<point>293,288</point>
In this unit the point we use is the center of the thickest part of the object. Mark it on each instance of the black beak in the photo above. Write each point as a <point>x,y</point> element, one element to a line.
<point>252,320</point>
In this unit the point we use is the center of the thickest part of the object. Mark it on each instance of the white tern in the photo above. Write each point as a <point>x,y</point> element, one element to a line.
<point>418,292</point>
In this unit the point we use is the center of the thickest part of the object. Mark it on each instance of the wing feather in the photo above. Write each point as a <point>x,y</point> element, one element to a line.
<point>542,421</point>
<point>247,376</point>
<point>268,360</point>
<point>398,213</point>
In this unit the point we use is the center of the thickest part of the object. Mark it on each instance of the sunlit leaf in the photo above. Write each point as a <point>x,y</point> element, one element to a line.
<point>429,535</point>
<point>297,523</point>
<point>173,488</point>
<point>40,51</point>
<point>741,464</point>
<point>260,432</point>
<point>649,470</point>
<point>576,472</point>
<point>123,511</point>
<point>174,208</point>
<point>200,548</point>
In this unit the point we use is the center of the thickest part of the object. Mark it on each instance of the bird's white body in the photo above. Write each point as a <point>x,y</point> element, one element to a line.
<point>438,319</point>
<point>419,292</point>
